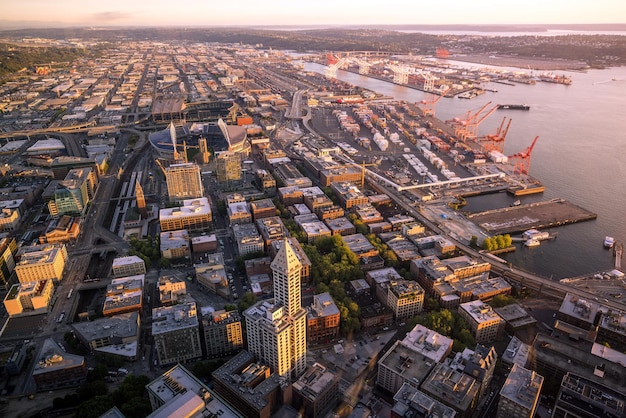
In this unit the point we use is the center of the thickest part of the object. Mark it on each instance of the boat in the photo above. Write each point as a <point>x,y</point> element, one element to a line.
<point>532,242</point>
<point>516,203</point>
<point>514,106</point>
<point>608,242</point>
<point>534,234</point>
<point>553,78</point>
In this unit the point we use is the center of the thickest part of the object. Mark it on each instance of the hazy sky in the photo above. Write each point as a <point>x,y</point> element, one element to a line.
<point>310,12</point>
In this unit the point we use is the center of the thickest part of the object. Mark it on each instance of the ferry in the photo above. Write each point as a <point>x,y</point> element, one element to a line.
<point>532,242</point>
<point>608,242</point>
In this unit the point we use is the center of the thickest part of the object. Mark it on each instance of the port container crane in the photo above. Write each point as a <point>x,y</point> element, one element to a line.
<point>495,142</point>
<point>476,120</point>
<point>428,106</point>
<point>521,160</point>
<point>400,73</point>
<point>461,124</point>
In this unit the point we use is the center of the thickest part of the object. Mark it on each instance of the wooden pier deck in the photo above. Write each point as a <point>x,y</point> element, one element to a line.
<point>538,215</point>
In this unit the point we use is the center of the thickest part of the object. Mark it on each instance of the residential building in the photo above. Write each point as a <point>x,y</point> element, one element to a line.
<point>322,319</point>
<point>277,328</point>
<point>195,215</point>
<point>38,262</point>
<point>316,393</point>
<point>483,321</point>
<point>183,182</point>
<point>290,195</point>
<point>29,297</point>
<point>56,369</point>
<point>222,333</point>
<point>331,212</point>
<point>131,265</point>
<point>248,239</point>
<point>580,398</point>
<point>405,298</point>
<point>520,393</point>
<point>263,208</point>
<point>453,388</point>
<point>315,230</point>
<point>177,392</point>
<point>249,386</point>
<point>479,363</point>
<point>124,294</point>
<point>428,343</point>
<point>171,290</point>
<point>176,333</point>
<point>400,365</point>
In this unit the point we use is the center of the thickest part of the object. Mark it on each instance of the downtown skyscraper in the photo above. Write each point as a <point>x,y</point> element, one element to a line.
<point>277,328</point>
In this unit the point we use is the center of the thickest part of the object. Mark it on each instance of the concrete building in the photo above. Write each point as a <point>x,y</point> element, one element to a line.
<point>341,174</point>
<point>212,275</point>
<point>195,215</point>
<point>455,389</point>
<point>290,195</point>
<point>515,317</point>
<point>360,245</point>
<point>171,290</point>
<point>9,219</point>
<point>348,194</point>
<point>405,298</point>
<point>316,393</point>
<point>612,329</point>
<point>29,297</point>
<point>222,333</point>
<point>266,181</point>
<point>117,335</point>
<point>228,167</point>
<point>520,394</point>
<point>238,213</point>
<point>272,229</point>
<point>305,271</point>
<point>248,386</point>
<point>56,369</point>
<point>8,250</point>
<point>176,333</point>
<point>277,328</point>
<point>315,230</point>
<point>177,392</point>
<point>340,226</point>
<point>323,319</point>
<point>410,402</point>
<point>38,262</point>
<point>183,182</point>
<point>124,294</point>
<point>131,265</point>
<point>582,313</point>
<point>482,320</point>
<point>204,243</point>
<point>580,398</point>
<point>428,343</point>
<point>479,363</point>
<point>263,208</point>
<point>63,229</point>
<point>175,244</point>
<point>248,239</point>
<point>400,365</point>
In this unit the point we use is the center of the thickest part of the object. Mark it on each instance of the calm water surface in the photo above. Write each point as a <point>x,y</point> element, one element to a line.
<point>580,156</point>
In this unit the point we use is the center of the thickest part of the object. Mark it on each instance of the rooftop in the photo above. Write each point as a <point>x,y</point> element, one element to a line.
<point>123,326</point>
<point>407,363</point>
<point>580,308</point>
<point>323,305</point>
<point>522,386</point>
<point>122,261</point>
<point>428,343</point>
<point>315,381</point>
<point>167,319</point>
<point>408,398</point>
<point>52,358</point>
<point>480,311</point>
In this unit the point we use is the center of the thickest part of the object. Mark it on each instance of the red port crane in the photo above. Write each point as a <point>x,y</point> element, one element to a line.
<point>521,160</point>
<point>428,106</point>
<point>495,142</point>
<point>463,128</point>
<point>477,119</point>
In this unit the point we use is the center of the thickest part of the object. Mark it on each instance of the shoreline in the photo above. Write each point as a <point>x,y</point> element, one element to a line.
<point>539,64</point>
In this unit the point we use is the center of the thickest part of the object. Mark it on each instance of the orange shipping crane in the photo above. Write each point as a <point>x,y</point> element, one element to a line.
<point>428,106</point>
<point>495,142</point>
<point>521,160</point>
<point>461,125</point>
<point>477,119</point>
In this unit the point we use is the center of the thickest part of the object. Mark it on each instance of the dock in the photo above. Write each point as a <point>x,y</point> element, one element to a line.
<point>539,215</point>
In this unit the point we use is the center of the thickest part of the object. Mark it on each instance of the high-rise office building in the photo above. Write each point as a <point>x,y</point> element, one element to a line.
<point>183,181</point>
<point>277,329</point>
<point>228,167</point>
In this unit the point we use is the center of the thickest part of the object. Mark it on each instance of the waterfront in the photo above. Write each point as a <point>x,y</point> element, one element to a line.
<point>581,133</point>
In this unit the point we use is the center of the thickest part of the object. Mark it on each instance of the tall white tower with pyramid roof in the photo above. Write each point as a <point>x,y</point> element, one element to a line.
<point>277,328</point>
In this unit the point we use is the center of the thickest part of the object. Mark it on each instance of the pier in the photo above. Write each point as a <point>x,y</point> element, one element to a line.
<point>538,215</point>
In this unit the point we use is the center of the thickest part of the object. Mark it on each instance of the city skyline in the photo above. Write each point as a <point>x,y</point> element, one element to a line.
<point>38,13</point>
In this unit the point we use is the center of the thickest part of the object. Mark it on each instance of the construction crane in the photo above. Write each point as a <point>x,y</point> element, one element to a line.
<point>428,107</point>
<point>495,142</point>
<point>521,160</point>
<point>363,165</point>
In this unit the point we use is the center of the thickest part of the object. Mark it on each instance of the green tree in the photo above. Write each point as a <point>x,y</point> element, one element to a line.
<point>502,300</point>
<point>248,299</point>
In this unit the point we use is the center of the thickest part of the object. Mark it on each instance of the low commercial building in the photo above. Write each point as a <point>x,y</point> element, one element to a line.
<point>479,363</point>
<point>212,275</point>
<point>368,214</point>
<point>515,317</point>
<point>315,230</point>
<point>612,329</point>
<point>484,323</point>
<point>263,208</point>
<point>29,297</point>
<point>316,393</point>
<point>580,397</point>
<point>400,365</point>
<point>455,389</point>
<point>171,290</point>
<point>349,195</point>
<point>520,393</point>
<point>128,266</point>
<point>176,333</point>
<point>323,319</point>
<point>195,215</point>
<point>340,226</point>
<point>248,239</point>
<point>249,386</point>
<point>175,244</point>
<point>117,335</point>
<point>340,174</point>
<point>222,333</point>
<point>272,229</point>
<point>410,402</point>
<point>204,244</point>
<point>63,229</point>
<point>359,245</point>
<point>56,369</point>
<point>38,262</point>
<point>290,195</point>
<point>177,392</point>
<point>405,298</point>
<point>124,294</point>
<point>238,213</point>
